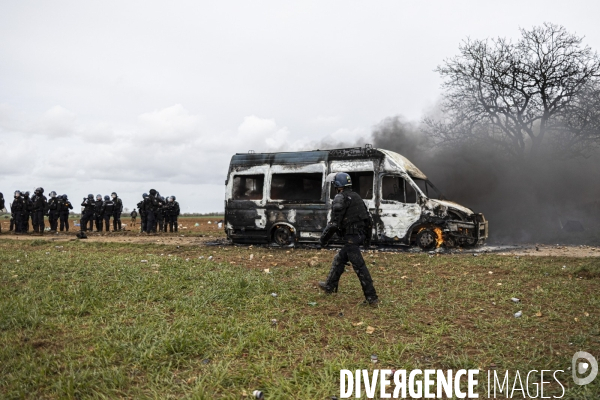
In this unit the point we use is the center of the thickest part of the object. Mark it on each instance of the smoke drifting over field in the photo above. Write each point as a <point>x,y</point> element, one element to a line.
<point>525,201</point>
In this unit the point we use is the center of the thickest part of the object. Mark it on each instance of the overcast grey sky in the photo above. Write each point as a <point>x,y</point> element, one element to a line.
<point>123,96</point>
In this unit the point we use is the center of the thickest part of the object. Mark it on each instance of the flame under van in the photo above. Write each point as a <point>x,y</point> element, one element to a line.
<point>284,199</point>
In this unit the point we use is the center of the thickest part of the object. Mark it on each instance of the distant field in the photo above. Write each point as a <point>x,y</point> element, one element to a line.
<point>187,224</point>
<point>91,320</point>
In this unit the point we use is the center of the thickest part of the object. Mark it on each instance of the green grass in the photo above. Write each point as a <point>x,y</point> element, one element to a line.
<point>90,320</point>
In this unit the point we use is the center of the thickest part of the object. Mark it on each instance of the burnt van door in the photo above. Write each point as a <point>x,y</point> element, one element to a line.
<point>246,202</point>
<point>296,198</point>
<point>398,208</point>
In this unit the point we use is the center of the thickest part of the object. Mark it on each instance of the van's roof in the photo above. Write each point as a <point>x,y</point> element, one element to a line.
<point>315,156</point>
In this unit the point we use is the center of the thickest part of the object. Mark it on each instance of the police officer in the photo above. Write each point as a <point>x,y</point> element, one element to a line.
<point>117,211</point>
<point>352,221</point>
<point>133,216</point>
<point>87,214</point>
<point>141,206</point>
<point>53,212</point>
<point>160,214</point>
<point>172,213</point>
<point>151,205</point>
<point>108,210</point>
<point>40,206</point>
<point>98,216</point>
<point>16,210</point>
<point>64,205</point>
<point>1,207</point>
<point>27,210</point>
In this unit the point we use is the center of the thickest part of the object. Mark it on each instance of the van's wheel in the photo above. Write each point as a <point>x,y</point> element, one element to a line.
<point>283,235</point>
<point>426,239</point>
<point>470,242</point>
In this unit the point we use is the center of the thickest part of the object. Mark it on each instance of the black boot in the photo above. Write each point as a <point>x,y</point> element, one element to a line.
<point>371,301</point>
<point>327,288</point>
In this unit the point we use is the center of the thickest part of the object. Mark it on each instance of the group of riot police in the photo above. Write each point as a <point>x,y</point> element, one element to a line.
<point>158,213</point>
<point>24,208</point>
<point>99,212</point>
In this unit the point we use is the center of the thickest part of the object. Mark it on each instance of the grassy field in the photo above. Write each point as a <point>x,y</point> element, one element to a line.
<point>92,320</point>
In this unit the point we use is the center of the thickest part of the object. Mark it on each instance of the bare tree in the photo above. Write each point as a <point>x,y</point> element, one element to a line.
<point>517,96</point>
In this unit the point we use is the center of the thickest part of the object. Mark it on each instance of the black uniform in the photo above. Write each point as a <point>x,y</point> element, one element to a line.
<point>64,205</point>
<point>108,209</point>
<point>87,214</point>
<point>160,215</point>
<point>40,207</point>
<point>98,215</point>
<point>354,225</point>
<point>117,213</point>
<point>53,213</point>
<point>172,214</point>
<point>16,210</point>
<point>26,212</point>
<point>151,205</point>
<point>140,207</point>
<point>1,207</point>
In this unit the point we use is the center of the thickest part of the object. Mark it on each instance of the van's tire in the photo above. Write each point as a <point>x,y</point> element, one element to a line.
<point>283,236</point>
<point>426,239</point>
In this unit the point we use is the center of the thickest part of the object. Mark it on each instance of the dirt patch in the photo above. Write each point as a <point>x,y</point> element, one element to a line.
<point>202,231</point>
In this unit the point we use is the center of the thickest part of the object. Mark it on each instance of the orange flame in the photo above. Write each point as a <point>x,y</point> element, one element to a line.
<point>439,238</point>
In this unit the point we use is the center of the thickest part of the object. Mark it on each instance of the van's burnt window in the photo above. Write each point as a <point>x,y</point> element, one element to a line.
<point>427,187</point>
<point>397,189</point>
<point>248,187</point>
<point>362,183</point>
<point>296,187</point>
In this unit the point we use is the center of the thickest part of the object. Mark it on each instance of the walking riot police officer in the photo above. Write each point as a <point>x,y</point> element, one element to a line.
<point>353,223</point>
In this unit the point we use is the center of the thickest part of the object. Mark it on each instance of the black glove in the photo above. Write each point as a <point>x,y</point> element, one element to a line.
<point>328,233</point>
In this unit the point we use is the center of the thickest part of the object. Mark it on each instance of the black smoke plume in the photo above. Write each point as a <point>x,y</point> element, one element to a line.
<point>542,200</point>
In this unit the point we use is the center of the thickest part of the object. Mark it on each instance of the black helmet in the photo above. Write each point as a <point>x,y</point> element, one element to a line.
<point>152,192</point>
<point>64,196</point>
<point>91,196</point>
<point>1,195</point>
<point>53,194</point>
<point>342,179</point>
<point>26,194</point>
<point>144,195</point>
<point>98,197</point>
<point>39,191</point>
<point>174,198</point>
<point>114,194</point>
<point>106,198</point>
<point>17,193</point>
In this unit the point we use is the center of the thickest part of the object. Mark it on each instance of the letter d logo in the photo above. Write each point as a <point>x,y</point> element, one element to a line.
<point>582,367</point>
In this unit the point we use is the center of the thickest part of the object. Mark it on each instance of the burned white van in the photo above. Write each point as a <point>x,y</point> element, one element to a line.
<point>284,199</point>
